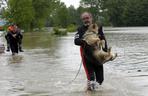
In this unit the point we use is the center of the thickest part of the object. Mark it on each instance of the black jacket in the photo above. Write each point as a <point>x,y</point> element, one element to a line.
<point>15,39</point>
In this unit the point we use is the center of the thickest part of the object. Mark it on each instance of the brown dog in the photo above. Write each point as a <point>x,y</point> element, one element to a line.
<point>91,37</point>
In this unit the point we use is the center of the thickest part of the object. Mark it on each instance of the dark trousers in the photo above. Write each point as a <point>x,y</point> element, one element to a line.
<point>14,45</point>
<point>8,43</point>
<point>93,71</point>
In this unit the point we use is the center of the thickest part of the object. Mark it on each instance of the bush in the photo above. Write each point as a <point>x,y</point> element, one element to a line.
<point>58,31</point>
<point>71,28</point>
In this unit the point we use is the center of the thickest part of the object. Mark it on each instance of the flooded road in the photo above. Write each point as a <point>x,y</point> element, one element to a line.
<point>49,64</point>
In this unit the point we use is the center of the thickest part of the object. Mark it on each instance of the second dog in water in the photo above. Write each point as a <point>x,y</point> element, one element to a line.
<point>91,38</point>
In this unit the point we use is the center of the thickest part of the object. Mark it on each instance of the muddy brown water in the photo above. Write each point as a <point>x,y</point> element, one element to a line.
<point>49,64</point>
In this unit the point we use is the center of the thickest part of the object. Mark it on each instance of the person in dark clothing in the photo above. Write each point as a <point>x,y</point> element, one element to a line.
<point>93,69</point>
<point>11,30</point>
<point>14,39</point>
<point>18,30</point>
<point>8,44</point>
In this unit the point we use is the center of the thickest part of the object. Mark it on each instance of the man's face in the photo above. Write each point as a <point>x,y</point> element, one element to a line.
<point>86,18</point>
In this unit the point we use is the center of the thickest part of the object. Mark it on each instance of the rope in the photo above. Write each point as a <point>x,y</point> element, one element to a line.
<point>76,74</point>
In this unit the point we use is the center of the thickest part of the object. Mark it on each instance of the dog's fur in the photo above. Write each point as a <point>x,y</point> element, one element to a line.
<point>91,38</point>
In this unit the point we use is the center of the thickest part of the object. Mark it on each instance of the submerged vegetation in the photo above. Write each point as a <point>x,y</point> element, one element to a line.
<point>71,28</point>
<point>59,31</point>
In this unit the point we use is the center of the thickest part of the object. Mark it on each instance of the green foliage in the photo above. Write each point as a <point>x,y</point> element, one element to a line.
<point>95,7</point>
<point>59,32</point>
<point>32,14</point>
<point>118,12</point>
<point>42,9</point>
<point>60,16</point>
<point>29,14</point>
<point>115,11</point>
<point>20,12</point>
<point>72,15</point>
<point>63,16</point>
<point>71,28</point>
<point>136,13</point>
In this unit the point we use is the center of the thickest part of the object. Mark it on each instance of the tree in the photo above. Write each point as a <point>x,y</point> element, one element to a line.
<point>96,7</point>
<point>72,15</point>
<point>127,12</point>
<point>115,9</point>
<point>20,12</point>
<point>42,10</point>
<point>136,13</point>
<point>29,14</point>
<point>60,15</point>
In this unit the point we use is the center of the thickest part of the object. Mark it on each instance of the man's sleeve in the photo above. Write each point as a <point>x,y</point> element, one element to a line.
<point>20,35</point>
<point>78,38</point>
<point>7,36</point>
<point>102,37</point>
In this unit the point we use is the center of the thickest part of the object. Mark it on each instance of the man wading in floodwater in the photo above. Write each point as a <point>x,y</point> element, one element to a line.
<point>93,69</point>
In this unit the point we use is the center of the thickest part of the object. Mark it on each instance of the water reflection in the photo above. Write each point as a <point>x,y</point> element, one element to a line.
<point>16,59</point>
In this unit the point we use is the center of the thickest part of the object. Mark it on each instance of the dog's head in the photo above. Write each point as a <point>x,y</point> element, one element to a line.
<point>93,28</point>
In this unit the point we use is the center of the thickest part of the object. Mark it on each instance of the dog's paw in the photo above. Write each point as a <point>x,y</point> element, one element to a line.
<point>114,56</point>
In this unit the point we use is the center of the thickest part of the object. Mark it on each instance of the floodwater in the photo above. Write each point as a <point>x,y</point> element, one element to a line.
<point>50,63</point>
